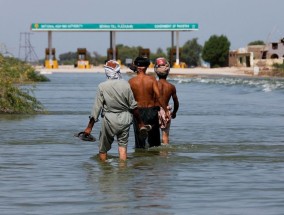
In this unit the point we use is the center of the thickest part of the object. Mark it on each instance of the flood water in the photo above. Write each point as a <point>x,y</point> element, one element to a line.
<point>226,154</point>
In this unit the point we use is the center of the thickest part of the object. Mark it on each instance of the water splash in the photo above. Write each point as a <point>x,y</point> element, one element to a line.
<point>265,85</point>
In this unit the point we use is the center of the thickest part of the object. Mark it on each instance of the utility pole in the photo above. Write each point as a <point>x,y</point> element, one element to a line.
<point>26,50</point>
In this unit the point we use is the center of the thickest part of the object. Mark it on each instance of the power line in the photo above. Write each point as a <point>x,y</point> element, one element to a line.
<point>26,50</point>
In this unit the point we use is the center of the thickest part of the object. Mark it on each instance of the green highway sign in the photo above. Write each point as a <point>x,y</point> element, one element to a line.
<point>114,27</point>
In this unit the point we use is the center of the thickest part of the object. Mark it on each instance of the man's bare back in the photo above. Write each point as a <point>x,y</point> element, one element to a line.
<point>146,92</point>
<point>143,87</point>
<point>168,91</point>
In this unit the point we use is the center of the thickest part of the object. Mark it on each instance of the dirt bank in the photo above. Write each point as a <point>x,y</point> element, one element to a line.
<point>232,71</point>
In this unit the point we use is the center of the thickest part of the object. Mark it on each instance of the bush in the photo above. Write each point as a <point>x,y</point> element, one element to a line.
<point>278,70</point>
<point>14,100</point>
<point>14,73</point>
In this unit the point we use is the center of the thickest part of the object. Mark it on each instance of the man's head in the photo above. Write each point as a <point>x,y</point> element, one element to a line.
<point>140,64</point>
<point>112,70</point>
<point>162,67</point>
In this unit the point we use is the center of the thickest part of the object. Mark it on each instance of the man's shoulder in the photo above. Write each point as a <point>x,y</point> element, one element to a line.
<point>166,82</point>
<point>135,79</point>
<point>168,85</point>
<point>119,82</point>
<point>112,82</point>
<point>152,77</point>
<point>148,77</point>
<point>102,83</point>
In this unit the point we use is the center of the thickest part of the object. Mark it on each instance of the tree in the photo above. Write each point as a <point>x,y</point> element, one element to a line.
<point>68,58</point>
<point>159,53</point>
<point>126,52</point>
<point>216,51</point>
<point>257,42</point>
<point>191,51</point>
<point>98,59</point>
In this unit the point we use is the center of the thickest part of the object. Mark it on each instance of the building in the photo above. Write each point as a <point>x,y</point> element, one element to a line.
<point>258,55</point>
<point>240,58</point>
<point>275,50</point>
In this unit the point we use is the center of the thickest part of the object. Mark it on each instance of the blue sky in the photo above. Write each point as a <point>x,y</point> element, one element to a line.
<point>241,21</point>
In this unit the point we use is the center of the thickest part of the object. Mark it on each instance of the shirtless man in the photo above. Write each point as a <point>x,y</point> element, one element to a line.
<point>146,92</point>
<point>167,91</point>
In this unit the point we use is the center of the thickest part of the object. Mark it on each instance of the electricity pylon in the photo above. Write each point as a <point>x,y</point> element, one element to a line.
<point>26,50</point>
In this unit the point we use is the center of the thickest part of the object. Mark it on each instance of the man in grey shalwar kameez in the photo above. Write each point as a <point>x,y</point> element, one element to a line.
<point>116,103</point>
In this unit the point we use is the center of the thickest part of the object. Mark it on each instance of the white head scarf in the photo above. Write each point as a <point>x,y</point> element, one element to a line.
<point>112,70</point>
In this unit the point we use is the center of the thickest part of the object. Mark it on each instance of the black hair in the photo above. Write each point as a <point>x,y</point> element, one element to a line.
<point>142,62</point>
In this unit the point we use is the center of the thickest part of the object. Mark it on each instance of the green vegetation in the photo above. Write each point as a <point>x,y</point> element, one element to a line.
<point>278,70</point>
<point>14,98</point>
<point>125,52</point>
<point>69,58</point>
<point>159,53</point>
<point>191,52</point>
<point>257,42</point>
<point>216,51</point>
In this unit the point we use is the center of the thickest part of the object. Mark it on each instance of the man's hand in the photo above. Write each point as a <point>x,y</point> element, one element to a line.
<point>90,126</point>
<point>88,131</point>
<point>167,115</point>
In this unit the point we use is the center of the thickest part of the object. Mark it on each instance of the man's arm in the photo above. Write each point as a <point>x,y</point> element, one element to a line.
<point>90,126</point>
<point>176,103</point>
<point>157,95</point>
<point>97,107</point>
<point>137,117</point>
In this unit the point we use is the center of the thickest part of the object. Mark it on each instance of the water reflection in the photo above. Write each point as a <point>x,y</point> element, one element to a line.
<point>137,180</point>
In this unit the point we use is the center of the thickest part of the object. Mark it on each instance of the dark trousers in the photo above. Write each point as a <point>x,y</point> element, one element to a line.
<point>148,116</point>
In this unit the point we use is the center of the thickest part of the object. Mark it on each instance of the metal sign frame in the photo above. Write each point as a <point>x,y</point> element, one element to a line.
<point>114,27</point>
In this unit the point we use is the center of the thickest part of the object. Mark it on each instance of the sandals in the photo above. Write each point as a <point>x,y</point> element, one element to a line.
<point>143,131</point>
<point>83,136</point>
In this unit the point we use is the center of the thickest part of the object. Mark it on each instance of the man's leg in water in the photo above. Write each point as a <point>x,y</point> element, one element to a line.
<point>122,153</point>
<point>103,156</point>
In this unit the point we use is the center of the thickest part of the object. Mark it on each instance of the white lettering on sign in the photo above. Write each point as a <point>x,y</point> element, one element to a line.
<point>104,26</point>
<point>162,26</point>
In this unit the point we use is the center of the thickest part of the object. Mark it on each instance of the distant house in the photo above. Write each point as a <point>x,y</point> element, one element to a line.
<point>259,51</point>
<point>240,58</point>
<point>258,55</point>
<point>275,50</point>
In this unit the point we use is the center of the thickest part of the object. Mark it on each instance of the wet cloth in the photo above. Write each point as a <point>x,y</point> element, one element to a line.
<point>163,121</point>
<point>148,116</point>
<point>114,101</point>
